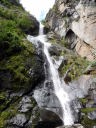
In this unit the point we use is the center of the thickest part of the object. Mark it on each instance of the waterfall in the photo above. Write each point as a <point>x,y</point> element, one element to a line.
<point>58,83</point>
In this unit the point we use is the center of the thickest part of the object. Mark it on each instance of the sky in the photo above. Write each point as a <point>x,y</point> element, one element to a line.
<point>38,8</point>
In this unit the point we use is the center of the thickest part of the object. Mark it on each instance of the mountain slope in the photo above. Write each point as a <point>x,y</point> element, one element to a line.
<point>20,64</point>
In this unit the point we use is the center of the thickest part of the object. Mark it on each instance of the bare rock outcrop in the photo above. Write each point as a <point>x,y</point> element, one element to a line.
<point>79,16</point>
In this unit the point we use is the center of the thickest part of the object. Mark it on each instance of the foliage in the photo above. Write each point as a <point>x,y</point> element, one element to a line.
<point>14,49</point>
<point>5,2</point>
<point>78,66</point>
<point>9,38</point>
<point>88,123</point>
<point>15,53</point>
<point>87,110</point>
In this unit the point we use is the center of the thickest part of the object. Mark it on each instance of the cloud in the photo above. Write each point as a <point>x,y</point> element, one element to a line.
<point>38,8</point>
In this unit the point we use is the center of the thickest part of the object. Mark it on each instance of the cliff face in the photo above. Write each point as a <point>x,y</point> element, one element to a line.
<point>75,20</point>
<point>73,29</point>
<point>21,68</point>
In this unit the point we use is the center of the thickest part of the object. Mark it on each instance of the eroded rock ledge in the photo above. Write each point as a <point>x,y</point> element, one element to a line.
<point>75,20</point>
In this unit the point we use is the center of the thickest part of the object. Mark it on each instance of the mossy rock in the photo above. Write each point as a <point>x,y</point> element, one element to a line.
<point>87,123</point>
<point>16,51</point>
<point>76,65</point>
<point>13,110</point>
<point>7,114</point>
<point>75,62</point>
<point>83,100</point>
<point>91,69</point>
<point>87,110</point>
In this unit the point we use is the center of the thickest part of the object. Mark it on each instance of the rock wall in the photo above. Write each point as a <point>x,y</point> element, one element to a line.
<point>79,16</point>
<point>21,66</point>
<point>73,28</point>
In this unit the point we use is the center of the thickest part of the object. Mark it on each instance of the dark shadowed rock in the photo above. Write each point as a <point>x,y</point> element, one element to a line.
<point>55,50</point>
<point>72,126</point>
<point>47,115</point>
<point>49,119</point>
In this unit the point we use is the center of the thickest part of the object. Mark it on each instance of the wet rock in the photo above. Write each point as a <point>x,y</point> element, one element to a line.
<point>46,99</point>
<point>19,120</point>
<point>55,50</point>
<point>75,107</point>
<point>48,119</point>
<point>47,115</point>
<point>12,127</point>
<point>25,104</point>
<point>51,36</point>
<point>46,30</point>
<point>92,115</point>
<point>34,118</point>
<point>43,124</point>
<point>72,126</point>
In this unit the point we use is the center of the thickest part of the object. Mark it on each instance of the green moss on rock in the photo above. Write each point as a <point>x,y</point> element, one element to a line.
<point>77,65</point>
<point>87,110</point>
<point>88,123</point>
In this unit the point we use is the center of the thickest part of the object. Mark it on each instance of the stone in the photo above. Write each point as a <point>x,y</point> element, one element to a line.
<point>85,28</point>
<point>71,39</point>
<point>55,50</point>
<point>72,126</point>
<point>91,68</point>
<point>47,115</point>
<point>92,115</point>
<point>47,100</point>
<point>79,17</point>
<point>19,120</point>
<point>25,104</point>
<point>85,50</point>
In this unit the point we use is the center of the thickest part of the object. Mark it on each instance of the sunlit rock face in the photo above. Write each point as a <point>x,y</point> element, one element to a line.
<point>85,29</point>
<point>80,17</point>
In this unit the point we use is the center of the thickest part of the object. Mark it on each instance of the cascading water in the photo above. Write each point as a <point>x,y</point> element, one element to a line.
<point>58,83</point>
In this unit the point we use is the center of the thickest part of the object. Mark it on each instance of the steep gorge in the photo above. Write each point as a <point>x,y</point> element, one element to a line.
<point>25,72</point>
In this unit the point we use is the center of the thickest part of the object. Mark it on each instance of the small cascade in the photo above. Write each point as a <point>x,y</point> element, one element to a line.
<point>58,83</point>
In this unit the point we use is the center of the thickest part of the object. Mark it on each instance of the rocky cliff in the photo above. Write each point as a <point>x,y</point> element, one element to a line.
<point>75,20</point>
<point>72,32</point>
<point>73,35</point>
<point>21,66</point>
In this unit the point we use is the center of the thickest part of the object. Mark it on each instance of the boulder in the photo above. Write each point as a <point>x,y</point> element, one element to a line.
<point>72,126</point>
<point>55,50</point>
<point>47,115</point>
<point>49,119</point>
<point>19,120</point>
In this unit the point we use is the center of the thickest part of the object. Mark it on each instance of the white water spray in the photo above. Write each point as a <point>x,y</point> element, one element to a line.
<point>58,83</point>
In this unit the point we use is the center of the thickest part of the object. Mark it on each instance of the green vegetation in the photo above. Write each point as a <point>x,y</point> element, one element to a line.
<point>87,110</point>
<point>61,41</point>
<point>16,65</point>
<point>73,61</point>
<point>5,2</point>
<point>16,56</point>
<point>85,121</point>
<point>14,49</point>
<point>13,23</point>
<point>77,65</point>
<point>83,100</point>
<point>88,123</point>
